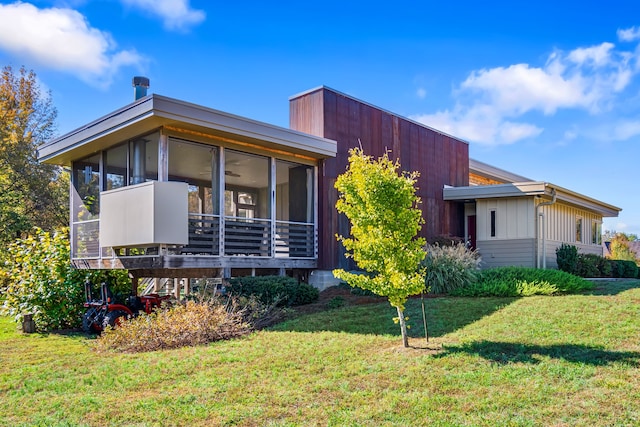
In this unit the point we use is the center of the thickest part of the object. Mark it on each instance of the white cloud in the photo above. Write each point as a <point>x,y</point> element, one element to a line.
<point>599,55</point>
<point>490,101</point>
<point>421,93</point>
<point>63,40</point>
<point>629,34</point>
<point>176,14</point>
<point>625,129</point>
<point>480,124</point>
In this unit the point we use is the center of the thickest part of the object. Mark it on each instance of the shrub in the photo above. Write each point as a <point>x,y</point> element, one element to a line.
<point>520,281</point>
<point>39,280</point>
<point>567,258</point>
<point>445,240</point>
<point>279,290</point>
<point>189,324</point>
<point>624,268</point>
<point>336,302</point>
<point>589,265</point>
<point>449,267</point>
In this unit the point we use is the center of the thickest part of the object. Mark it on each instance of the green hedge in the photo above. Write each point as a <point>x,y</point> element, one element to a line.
<point>279,290</point>
<point>520,281</point>
<point>591,265</point>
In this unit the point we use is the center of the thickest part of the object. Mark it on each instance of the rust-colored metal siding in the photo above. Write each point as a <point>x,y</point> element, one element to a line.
<point>440,159</point>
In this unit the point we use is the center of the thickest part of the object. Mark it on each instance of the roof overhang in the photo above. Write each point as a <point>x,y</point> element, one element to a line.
<point>488,171</point>
<point>530,189</point>
<point>155,111</point>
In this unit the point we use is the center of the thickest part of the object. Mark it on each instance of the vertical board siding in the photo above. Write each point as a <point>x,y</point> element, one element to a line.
<point>441,160</point>
<point>560,224</point>
<point>515,218</point>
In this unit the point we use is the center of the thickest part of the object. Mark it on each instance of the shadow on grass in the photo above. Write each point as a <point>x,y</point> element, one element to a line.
<point>444,315</point>
<point>504,353</point>
<point>612,286</point>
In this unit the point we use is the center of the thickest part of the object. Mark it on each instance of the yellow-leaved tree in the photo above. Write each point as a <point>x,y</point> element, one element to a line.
<point>381,204</point>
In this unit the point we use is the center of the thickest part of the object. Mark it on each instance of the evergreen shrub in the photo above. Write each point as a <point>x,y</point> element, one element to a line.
<point>521,281</point>
<point>567,258</point>
<point>279,290</point>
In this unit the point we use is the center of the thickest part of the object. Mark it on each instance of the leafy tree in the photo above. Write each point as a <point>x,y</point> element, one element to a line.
<point>619,248</point>
<point>381,205</point>
<point>31,194</point>
<point>609,235</point>
<point>41,281</point>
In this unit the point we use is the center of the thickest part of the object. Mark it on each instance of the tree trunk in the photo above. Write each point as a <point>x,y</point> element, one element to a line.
<point>403,328</point>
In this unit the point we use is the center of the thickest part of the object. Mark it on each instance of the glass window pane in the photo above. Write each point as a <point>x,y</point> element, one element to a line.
<point>116,167</point>
<point>143,158</point>
<point>294,192</point>
<point>247,192</point>
<point>86,186</point>
<point>197,165</point>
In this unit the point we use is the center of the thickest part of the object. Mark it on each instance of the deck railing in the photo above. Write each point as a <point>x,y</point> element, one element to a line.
<point>239,237</point>
<point>249,237</point>
<point>84,238</point>
<point>294,240</point>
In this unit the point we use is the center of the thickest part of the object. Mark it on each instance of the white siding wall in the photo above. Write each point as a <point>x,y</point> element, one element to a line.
<point>515,240</point>
<point>515,218</point>
<point>560,224</point>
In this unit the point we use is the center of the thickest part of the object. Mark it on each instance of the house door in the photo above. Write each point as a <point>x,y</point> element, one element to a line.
<point>471,231</point>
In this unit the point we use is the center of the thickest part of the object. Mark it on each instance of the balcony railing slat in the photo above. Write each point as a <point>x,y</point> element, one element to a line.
<point>241,237</point>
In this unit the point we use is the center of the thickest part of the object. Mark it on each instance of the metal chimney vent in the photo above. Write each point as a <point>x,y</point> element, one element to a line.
<point>140,86</point>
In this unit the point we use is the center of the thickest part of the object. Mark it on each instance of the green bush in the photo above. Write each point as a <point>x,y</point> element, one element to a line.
<point>39,280</point>
<point>336,302</point>
<point>449,267</point>
<point>520,281</point>
<point>280,290</point>
<point>624,268</point>
<point>589,265</point>
<point>189,324</point>
<point>567,258</point>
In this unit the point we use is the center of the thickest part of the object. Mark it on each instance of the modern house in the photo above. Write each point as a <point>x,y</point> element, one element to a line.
<point>170,189</point>
<point>512,220</point>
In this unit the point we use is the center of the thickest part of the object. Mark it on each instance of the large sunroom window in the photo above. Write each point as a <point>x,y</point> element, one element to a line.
<point>85,207</point>
<point>238,203</point>
<point>198,166</point>
<point>247,204</point>
<point>294,209</point>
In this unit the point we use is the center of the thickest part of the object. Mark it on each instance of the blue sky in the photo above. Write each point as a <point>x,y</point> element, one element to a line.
<point>549,90</point>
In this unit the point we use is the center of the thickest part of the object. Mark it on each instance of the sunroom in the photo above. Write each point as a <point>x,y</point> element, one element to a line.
<point>162,184</point>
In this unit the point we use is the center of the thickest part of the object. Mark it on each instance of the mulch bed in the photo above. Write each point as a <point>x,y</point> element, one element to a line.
<point>337,292</point>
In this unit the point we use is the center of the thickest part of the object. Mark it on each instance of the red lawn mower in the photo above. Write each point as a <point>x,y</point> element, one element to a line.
<point>102,312</point>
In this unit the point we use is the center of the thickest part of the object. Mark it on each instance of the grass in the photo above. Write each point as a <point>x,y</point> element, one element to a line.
<point>562,361</point>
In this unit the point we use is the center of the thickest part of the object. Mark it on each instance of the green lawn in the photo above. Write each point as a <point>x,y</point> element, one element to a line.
<point>561,361</point>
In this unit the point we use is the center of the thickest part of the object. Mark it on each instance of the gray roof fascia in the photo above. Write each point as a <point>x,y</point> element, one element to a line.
<point>172,111</point>
<point>529,189</point>
<point>472,192</point>
<point>105,125</point>
<point>186,112</point>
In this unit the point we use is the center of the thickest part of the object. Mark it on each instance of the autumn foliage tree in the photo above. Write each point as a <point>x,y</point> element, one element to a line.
<point>381,205</point>
<point>620,249</point>
<point>31,194</point>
